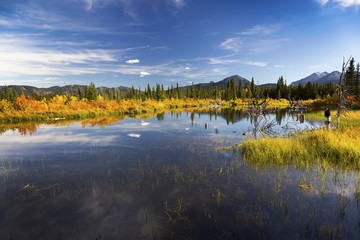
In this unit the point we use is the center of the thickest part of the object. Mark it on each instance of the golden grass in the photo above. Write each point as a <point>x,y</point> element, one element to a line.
<point>347,118</point>
<point>338,147</point>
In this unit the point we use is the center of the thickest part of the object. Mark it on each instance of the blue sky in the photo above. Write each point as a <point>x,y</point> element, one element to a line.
<point>135,42</point>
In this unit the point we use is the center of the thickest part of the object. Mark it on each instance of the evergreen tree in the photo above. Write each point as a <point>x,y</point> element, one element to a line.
<point>233,88</point>
<point>6,93</point>
<point>80,95</point>
<point>159,92</point>
<point>282,90</point>
<point>148,91</point>
<point>12,97</point>
<point>357,82</point>
<point>240,92</point>
<point>193,91</point>
<point>252,87</point>
<point>90,92</point>
<point>350,78</point>
<point>216,93</point>
<point>117,93</point>
<point>178,91</point>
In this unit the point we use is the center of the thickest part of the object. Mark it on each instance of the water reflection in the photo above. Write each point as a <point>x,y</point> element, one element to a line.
<point>81,180</point>
<point>231,116</point>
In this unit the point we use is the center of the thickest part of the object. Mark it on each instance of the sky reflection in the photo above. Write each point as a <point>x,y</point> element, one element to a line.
<point>80,181</point>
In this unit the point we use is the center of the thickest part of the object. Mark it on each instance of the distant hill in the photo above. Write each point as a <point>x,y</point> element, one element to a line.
<point>331,77</point>
<point>320,78</point>
<point>68,89</point>
<point>223,83</point>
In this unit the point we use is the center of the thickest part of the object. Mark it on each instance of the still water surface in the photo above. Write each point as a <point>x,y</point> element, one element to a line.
<point>163,178</point>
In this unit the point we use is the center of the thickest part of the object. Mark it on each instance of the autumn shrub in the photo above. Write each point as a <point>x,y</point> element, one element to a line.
<point>6,106</point>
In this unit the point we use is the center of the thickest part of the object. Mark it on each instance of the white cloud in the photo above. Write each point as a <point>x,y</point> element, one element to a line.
<point>143,74</point>
<point>322,2</point>
<point>52,58</point>
<point>222,61</point>
<point>5,23</point>
<point>261,30</point>
<point>348,3</point>
<point>88,5</point>
<point>178,3</point>
<point>187,68</point>
<point>342,3</point>
<point>22,56</point>
<point>255,63</point>
<point>279,66</point>
<point>132,61</point>
<point>233,44</point>
<point>258,46</point>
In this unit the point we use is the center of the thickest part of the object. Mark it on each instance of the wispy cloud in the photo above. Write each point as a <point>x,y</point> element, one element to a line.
<point>88,5</point>
<point>133,61</point>
<point>322,2</point>
<point>348,3</point>
<point>256,63</point>
<point>178,3</point>
<point>259,46</point>
<point>233,44</point>
<point>220,60</point>
<point>226,60</point>
<point>261,29</point>
<point>27,55</point>
<point>22,56</point>
<point>6,22</point>
<point>279,66</point>
<point>342,3</point>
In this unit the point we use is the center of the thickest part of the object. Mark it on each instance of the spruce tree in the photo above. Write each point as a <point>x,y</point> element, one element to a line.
<point>357,82</point>
<point>90,91</point>
<point>178,91</point>
<point>350,78</point>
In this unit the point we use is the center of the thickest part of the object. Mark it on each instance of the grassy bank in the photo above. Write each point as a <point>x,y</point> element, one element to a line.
<point>27,109</point>
<point>24,109</point>
<point>339,147</point>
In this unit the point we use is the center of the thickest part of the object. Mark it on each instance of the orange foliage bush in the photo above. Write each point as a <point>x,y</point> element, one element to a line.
<point>29,105</point>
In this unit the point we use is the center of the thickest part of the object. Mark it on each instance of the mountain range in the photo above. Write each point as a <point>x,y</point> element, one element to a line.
<point>318,77</point>
<point>321,78</point>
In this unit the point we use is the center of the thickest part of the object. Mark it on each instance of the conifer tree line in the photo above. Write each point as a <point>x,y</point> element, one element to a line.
<point>233,90</point>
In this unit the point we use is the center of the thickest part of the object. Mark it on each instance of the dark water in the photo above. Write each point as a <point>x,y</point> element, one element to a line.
<point>163,178</point>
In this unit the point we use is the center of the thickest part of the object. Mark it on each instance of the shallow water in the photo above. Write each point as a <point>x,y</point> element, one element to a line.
<point>163,178</point>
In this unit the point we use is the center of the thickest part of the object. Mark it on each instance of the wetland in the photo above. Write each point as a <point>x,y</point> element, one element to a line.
<point>167,177</point>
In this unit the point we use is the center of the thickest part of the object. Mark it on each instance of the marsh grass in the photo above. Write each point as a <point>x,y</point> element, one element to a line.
<point>338,147</point>
<point>348,118</point>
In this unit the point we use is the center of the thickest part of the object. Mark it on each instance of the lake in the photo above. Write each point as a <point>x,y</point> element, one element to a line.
<point>166,178</point>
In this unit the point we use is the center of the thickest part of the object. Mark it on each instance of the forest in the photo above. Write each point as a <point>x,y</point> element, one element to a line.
<point>91,101</point>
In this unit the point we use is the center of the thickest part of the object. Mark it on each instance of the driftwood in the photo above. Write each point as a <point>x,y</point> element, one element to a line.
<point>341,91</point>
<point>257,112</point>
